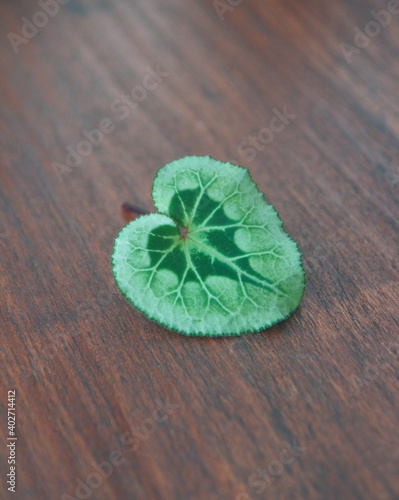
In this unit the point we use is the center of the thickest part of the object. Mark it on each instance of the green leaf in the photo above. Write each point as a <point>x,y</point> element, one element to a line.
<point>215,259</point>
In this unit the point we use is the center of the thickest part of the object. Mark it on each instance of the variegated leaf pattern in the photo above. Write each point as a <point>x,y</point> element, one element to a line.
<point>215,259</point>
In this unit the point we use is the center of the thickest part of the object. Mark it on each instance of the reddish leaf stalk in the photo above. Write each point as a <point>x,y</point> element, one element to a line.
<point>130,211</point>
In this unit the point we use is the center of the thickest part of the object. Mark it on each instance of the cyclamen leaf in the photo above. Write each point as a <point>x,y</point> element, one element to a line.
<point>215,260</point>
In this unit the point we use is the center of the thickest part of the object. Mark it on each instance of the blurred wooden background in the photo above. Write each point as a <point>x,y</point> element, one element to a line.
<point>190,418</point>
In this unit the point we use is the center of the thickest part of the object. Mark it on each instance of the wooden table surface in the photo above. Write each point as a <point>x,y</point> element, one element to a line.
<point>111,406</point>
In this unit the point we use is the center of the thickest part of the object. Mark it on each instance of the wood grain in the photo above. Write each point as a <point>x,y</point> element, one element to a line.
<point>89,370</point>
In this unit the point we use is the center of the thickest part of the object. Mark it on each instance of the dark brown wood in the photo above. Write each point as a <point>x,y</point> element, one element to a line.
<point>89,370</point>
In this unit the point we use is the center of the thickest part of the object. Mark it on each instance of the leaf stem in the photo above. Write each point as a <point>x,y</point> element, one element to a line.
<point>130,211</point>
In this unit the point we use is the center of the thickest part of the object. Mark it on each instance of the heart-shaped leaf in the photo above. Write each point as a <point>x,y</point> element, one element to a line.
<point>215,259</point>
